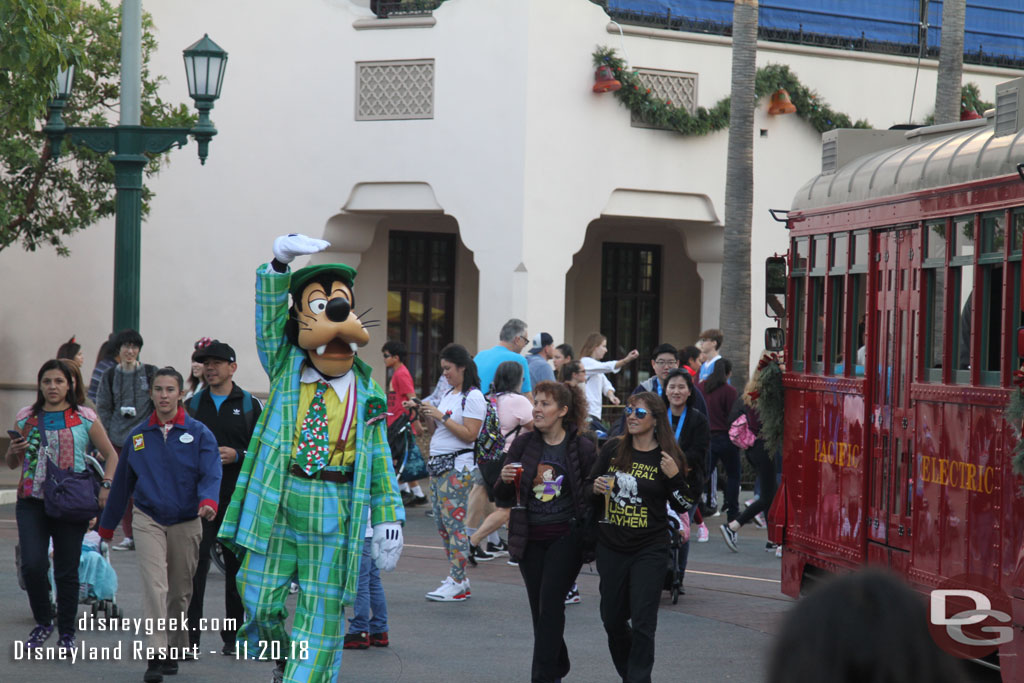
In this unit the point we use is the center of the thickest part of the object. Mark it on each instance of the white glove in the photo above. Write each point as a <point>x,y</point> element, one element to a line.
<point>287,247</point>
<point>386,545</point>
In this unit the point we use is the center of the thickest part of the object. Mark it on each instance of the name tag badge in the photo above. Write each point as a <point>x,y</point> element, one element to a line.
<point>138,442</point>
<point>185,438</point>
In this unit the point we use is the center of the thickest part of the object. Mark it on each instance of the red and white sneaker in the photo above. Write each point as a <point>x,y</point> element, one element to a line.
<point>702,533</point>
<point>450,591</point>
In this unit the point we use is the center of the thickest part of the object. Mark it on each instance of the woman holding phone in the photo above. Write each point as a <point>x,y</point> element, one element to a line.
<point>455,422</point>
<point>640,472</point>
<point>546,538</point>
<point>54,430</point>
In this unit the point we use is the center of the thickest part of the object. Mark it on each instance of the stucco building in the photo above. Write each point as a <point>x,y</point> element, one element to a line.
<point>460,160</point>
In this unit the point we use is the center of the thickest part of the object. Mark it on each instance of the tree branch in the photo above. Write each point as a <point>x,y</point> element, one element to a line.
<point>33,193</point>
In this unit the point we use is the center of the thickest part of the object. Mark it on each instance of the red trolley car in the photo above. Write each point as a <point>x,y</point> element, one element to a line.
<point>902,309</point>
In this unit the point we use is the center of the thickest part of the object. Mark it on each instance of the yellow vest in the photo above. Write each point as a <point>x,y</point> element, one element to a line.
<point>335,418</point>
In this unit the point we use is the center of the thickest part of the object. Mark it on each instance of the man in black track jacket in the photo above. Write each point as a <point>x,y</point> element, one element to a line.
<point>230,413</point>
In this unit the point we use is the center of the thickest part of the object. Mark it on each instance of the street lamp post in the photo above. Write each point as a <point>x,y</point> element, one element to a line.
<point>131,142</point>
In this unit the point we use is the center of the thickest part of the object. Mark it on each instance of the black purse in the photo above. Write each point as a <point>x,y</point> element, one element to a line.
<point>68,495</point>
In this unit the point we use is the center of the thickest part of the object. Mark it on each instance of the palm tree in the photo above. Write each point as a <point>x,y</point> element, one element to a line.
<point>739,190</point>
<point>951,62</point>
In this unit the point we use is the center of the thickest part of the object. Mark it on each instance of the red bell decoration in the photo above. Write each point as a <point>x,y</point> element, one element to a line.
<point>604,80</point>
<point>781,103</point>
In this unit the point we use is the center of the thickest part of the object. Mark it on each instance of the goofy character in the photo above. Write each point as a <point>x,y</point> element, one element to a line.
<point>317,458</point>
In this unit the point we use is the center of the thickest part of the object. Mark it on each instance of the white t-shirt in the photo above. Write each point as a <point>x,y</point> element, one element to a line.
<point>513,410</point>
<point>597,384</point>
<point>443,441</point>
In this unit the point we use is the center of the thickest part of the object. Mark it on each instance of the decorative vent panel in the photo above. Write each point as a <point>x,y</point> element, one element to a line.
<point>678,86</point>
<point>395,90</point>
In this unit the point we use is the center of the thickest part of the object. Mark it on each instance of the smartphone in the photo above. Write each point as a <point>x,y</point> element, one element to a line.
<point>15,436</point>
<point>417,401</point>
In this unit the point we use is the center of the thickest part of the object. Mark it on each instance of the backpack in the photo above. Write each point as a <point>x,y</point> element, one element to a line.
<point>740,434</point>
<point>193,406</point>
<point>490,442</point>
<point>108,376</point>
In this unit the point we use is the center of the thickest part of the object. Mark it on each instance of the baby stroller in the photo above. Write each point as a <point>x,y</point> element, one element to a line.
<point>673,577</point>
<point>97,578</point>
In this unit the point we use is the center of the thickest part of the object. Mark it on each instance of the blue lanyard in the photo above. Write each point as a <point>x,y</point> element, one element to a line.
<point>679,425</point>
<point>657,387</point>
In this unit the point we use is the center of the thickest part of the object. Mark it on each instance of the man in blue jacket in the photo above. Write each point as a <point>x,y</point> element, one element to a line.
<point>171,465</point>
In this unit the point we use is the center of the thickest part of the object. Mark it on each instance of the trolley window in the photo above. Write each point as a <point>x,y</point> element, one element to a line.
<point>837,317</point>
<point>840,257</point>
<point>801,252</point>
<point>860,252</point>
<point>991,260</point>
<point>1016,231</point>
<point>934,267</point>
<point>799,292</point>
<point>961,278</point>
<point>817,322</point>
<point>1014,268</point>
<point>858,322</point>
<point>819,263</point>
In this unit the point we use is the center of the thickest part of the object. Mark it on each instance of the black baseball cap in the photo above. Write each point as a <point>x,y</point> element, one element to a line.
<point>540,340</point>
<point>215,349</point>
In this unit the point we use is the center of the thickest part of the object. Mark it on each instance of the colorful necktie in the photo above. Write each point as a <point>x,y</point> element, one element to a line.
<point>313,448</point>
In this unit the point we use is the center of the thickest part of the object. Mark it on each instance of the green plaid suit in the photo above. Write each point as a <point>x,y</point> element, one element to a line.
<point>292,528</point>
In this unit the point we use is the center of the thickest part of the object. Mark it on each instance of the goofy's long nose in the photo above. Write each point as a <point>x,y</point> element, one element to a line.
<point>338,309</point>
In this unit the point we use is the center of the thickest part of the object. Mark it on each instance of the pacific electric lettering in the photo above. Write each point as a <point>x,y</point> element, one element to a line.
<point>959,475</point>
<point>838,453</point>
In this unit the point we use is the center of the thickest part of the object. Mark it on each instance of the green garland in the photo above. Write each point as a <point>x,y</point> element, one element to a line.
<point>657,112</point>
<point>970,98</point>
<point>1014,416</point>
<point>769,401</point>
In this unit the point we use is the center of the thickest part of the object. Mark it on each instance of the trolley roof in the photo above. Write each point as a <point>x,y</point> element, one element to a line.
<point>962,156</point>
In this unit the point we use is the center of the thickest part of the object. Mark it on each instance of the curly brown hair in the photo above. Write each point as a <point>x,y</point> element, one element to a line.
<point>566,397</point>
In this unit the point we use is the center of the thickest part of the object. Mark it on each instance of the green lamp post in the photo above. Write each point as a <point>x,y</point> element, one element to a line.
<point>130,142</point>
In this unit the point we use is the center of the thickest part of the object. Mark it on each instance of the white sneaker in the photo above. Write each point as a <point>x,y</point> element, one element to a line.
<point>702,533</point>
<point>450,591</point>
<point>126,544</point>
<point>778,551</point>
<point>759,521</point>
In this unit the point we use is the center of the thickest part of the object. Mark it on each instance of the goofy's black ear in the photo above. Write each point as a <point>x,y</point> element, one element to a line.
<point>291,328</point>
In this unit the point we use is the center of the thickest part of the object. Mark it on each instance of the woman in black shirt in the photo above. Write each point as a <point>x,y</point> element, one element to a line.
<point>648,471</point>
<point>546,538</point>
<point>690,430</point>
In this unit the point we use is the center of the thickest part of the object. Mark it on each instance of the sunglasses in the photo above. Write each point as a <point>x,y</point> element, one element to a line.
<point>387,355</point>
<point>641,413</point>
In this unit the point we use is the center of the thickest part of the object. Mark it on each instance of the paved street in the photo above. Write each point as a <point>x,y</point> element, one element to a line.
<point>721,629</point>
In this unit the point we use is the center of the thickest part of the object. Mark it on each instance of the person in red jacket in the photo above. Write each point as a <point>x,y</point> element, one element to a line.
<point>171,465</point>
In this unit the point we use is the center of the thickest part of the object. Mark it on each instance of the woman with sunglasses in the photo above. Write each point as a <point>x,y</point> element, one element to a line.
<point>641,472</point>
<point>690,430</point>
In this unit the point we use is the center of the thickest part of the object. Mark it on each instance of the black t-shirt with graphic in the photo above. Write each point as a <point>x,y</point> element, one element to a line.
<point>637,517</point>
<point>550,500</point>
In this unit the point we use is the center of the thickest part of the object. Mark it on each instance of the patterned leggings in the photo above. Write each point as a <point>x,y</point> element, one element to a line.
<point>450,493</point>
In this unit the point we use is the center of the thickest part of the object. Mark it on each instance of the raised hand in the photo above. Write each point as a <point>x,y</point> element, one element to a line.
<point>287,247</point>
